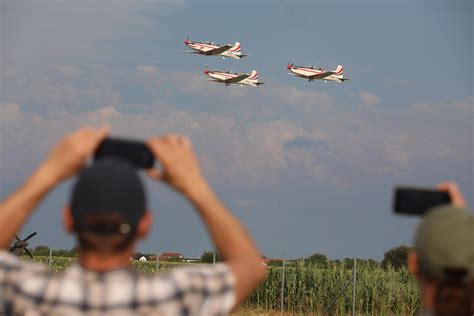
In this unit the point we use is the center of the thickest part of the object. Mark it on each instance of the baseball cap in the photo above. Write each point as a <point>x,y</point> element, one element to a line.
<point>108,186</point>
<point>444,243</point>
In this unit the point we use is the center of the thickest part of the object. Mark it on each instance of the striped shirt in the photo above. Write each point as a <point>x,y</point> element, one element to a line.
<point>29,289</point>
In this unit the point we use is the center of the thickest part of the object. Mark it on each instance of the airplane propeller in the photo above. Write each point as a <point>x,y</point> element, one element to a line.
<point>289,66</point>
<point>186,41</point>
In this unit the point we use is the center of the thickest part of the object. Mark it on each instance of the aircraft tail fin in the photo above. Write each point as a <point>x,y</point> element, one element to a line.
<point>236,49</point>
<point>339,71</point>
<point>253,75</point>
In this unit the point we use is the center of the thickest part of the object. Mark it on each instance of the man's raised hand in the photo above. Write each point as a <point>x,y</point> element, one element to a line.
<point>179,165</point>
<point>72,151</point>
<point>457,199</point>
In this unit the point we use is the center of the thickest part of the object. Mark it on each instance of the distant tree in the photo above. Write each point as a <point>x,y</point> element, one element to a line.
<point>317,258</point>
<point>208,257</point>
<point>348,263</point>
<point>41,251</point>
<point>396,257</point>
<point>336,262</point>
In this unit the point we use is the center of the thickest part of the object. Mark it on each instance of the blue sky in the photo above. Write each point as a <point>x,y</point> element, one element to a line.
<point>308,166</point>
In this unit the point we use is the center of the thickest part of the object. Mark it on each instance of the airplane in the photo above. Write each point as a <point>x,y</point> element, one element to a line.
<point>213,49</point>
<point>228,77</point>
<point>21,245</point>
<point>312,73</point>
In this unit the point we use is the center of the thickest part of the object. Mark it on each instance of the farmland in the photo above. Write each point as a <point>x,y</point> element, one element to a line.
<point>309,289</point>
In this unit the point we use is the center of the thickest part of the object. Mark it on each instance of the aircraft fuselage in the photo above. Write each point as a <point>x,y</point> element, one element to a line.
<point>222,76</point>
<point>308,72</point>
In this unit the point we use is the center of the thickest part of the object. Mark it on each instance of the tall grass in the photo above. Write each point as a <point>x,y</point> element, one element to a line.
<point>311,289</point>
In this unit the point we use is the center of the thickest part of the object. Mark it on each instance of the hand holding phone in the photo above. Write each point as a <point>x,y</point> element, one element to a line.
<point>417,201</point>
<point>135,152</point>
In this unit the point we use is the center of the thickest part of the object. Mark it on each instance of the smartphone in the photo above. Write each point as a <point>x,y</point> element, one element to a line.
<point>417,201</point>
<point>136,153</point>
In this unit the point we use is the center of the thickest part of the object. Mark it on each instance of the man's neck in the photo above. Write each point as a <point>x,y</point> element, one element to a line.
<point>428,293</point>
<point>101,262</point>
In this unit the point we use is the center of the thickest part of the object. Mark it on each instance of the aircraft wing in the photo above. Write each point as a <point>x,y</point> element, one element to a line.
<point>237,79</point>
<point>321,75</point>
<point>219,50</point>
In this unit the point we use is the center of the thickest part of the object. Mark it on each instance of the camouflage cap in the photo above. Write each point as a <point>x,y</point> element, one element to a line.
<point>444,244</point>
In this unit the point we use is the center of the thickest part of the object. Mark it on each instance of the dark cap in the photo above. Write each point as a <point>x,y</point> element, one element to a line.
<point>109,186</point>
<point>445,242</point>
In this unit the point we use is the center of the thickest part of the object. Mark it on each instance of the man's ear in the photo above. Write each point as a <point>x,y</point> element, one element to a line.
<point>68,221</point>
<point>413,263</point>
<point>144,225</point>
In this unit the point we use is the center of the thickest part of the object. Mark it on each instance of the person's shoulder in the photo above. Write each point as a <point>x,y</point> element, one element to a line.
<point>211,288</point>
<point>204,278</point>
<point>21,275</point>
<point>217,271</point>
<point>9,261</point>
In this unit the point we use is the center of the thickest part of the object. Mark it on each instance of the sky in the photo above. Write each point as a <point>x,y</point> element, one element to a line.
<point>308,167</point>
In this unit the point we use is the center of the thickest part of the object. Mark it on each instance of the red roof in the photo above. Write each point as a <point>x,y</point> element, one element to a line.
<point>167,255</point>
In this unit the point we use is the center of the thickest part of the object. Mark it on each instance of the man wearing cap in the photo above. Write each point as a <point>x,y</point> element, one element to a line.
<point>108,215</point>
<point>443,259</point>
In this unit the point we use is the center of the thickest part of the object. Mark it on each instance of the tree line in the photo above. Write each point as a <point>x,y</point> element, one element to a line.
<point>395,257</point>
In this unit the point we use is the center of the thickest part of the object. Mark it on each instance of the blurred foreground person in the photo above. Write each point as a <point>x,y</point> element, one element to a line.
<point>443,259</point>
<point>108,215</point>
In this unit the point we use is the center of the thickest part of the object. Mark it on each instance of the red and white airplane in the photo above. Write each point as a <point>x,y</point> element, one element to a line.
<point>227,78</point>
<point>312,73</point>
<point>213,49</point>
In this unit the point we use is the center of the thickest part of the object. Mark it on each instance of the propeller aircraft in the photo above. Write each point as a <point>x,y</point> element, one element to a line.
<point>227,77</point>
<point>213,49</point>
<point>312,73</point>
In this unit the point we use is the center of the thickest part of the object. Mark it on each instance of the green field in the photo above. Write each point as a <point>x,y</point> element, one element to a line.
<point>310,289</point>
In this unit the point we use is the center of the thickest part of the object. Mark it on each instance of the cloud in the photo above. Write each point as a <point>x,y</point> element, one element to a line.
<point>368,101</point>
<point>10,112</point>
<point>307,101</point>
<point>246,136</point>
<point>306,143</point>
<point>69,70</point>
<point>104,113</point>
<point>147,68</point>
<point>453,106</point>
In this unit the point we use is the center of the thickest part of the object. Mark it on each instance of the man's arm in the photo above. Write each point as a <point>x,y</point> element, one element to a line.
<point>180,169</point>
<point>64,160</point>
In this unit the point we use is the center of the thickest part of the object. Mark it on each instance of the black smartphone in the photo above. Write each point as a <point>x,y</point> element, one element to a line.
<point>417,201</point>
<point>136,153</point>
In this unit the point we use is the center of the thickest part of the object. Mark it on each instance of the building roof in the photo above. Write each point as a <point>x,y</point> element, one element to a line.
<point>166,255</point>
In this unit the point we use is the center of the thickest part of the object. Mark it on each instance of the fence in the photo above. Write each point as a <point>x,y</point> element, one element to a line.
<point>308,288</point>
